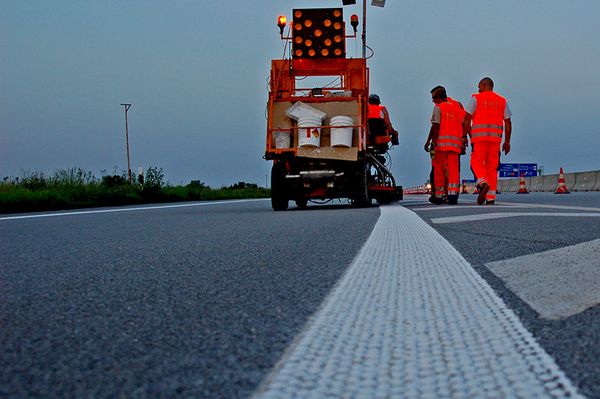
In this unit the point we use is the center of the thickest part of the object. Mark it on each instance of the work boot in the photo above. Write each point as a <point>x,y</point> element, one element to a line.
<point>452,199</point>
<point>490,202</point>
<point>436,201</point>
<point>483,190</point>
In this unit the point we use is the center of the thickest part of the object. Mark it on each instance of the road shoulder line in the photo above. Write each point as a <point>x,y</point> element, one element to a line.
<point>127,209</point>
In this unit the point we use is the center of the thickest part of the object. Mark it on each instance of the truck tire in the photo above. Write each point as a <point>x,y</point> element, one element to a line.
<point>361,193</point>
<point>279,199</point>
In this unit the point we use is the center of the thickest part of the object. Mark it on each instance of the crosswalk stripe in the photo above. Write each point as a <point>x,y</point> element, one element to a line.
<point>557,283</point>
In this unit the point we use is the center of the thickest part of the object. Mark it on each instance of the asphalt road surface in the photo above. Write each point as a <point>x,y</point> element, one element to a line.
<point>202,300</point>
<point>195,301</point>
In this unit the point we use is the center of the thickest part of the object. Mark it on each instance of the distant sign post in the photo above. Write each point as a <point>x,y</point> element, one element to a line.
<point>127,106</point>
<point>518,169</point>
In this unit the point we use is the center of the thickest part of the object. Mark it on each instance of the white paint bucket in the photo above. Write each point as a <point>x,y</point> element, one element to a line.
<point>300,110</point>
<point>282,139</point>
<point>309,132</point>
<point>341,136</point>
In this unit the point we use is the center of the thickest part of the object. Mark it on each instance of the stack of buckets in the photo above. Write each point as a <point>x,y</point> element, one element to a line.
<point>309,126</point>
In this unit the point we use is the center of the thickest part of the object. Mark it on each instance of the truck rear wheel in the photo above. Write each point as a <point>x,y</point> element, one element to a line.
<point>361,193</point>
<point>279,199</point>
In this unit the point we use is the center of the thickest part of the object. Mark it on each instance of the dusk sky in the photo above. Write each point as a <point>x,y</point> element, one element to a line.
<point>196,73</point>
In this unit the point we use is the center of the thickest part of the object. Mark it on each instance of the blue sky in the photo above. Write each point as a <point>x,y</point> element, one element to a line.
<point>196,74</point>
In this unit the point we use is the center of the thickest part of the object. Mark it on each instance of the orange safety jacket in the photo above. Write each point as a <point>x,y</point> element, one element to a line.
<point>450,135</point>
<point>488,119</point>
<point>375,111</point>
<point>453,101</point>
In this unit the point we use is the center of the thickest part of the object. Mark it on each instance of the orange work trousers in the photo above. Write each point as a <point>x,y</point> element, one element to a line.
<point>445,163</point>
<point>485,159</point>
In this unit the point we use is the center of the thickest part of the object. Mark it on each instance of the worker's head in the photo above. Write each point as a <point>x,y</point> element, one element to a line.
<point>486,84</point>
<point>374,99</point>
<point>438,94</point>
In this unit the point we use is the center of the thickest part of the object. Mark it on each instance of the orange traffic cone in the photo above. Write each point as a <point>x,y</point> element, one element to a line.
<point>562,187</point>
<point>522,188</point>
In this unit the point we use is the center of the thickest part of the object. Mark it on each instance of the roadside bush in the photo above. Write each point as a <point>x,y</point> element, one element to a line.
<point>32,180</point>
<point>154,178</point>
<point>77,188</point>
<point>114,181</point>
<point>73,177</point>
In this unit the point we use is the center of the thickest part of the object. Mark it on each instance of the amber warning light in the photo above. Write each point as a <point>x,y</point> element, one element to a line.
<point>354,22</point>
<point>281,22</point>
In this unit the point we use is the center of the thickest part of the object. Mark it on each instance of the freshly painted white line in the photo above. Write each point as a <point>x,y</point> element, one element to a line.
<point>500,215</point>
<point>412,319</point>
<point>557,283</point>
<point>141,208</point>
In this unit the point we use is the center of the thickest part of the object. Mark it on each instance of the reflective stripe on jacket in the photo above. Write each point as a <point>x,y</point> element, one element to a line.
<point>450,136</point>
<point>488,119</point>
<point>375,111</point>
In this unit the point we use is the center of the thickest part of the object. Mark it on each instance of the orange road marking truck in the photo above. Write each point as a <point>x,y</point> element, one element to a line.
<point>318,136</point>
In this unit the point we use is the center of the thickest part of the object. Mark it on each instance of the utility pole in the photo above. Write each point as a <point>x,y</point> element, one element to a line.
<point>364,30</point>
<point>127,106</point>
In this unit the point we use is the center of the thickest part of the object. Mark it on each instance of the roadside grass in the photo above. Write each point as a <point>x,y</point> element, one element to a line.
<point>76,188</point>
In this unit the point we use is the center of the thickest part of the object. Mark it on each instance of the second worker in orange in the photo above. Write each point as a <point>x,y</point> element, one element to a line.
<point>449,137</point>
<point>488,116</point>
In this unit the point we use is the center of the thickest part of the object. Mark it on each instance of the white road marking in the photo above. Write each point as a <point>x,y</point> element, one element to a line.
<point>557,283</point>
<point>453,207</point>
<point>565,207</point>
<point>412,319</point>
<point>414,201</point>
<point>500,215</point>
<point>113,210</point>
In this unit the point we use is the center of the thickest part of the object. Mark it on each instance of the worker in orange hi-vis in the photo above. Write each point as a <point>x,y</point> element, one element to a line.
<point>380,124</point>
<point>488,116</point>
<point>449,139</point>
<point>430,145</point>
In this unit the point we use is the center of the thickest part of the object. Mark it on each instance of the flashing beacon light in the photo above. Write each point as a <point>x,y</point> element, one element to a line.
<point>354,22</point>
<point>318,33</point>
<point>281,22</point>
